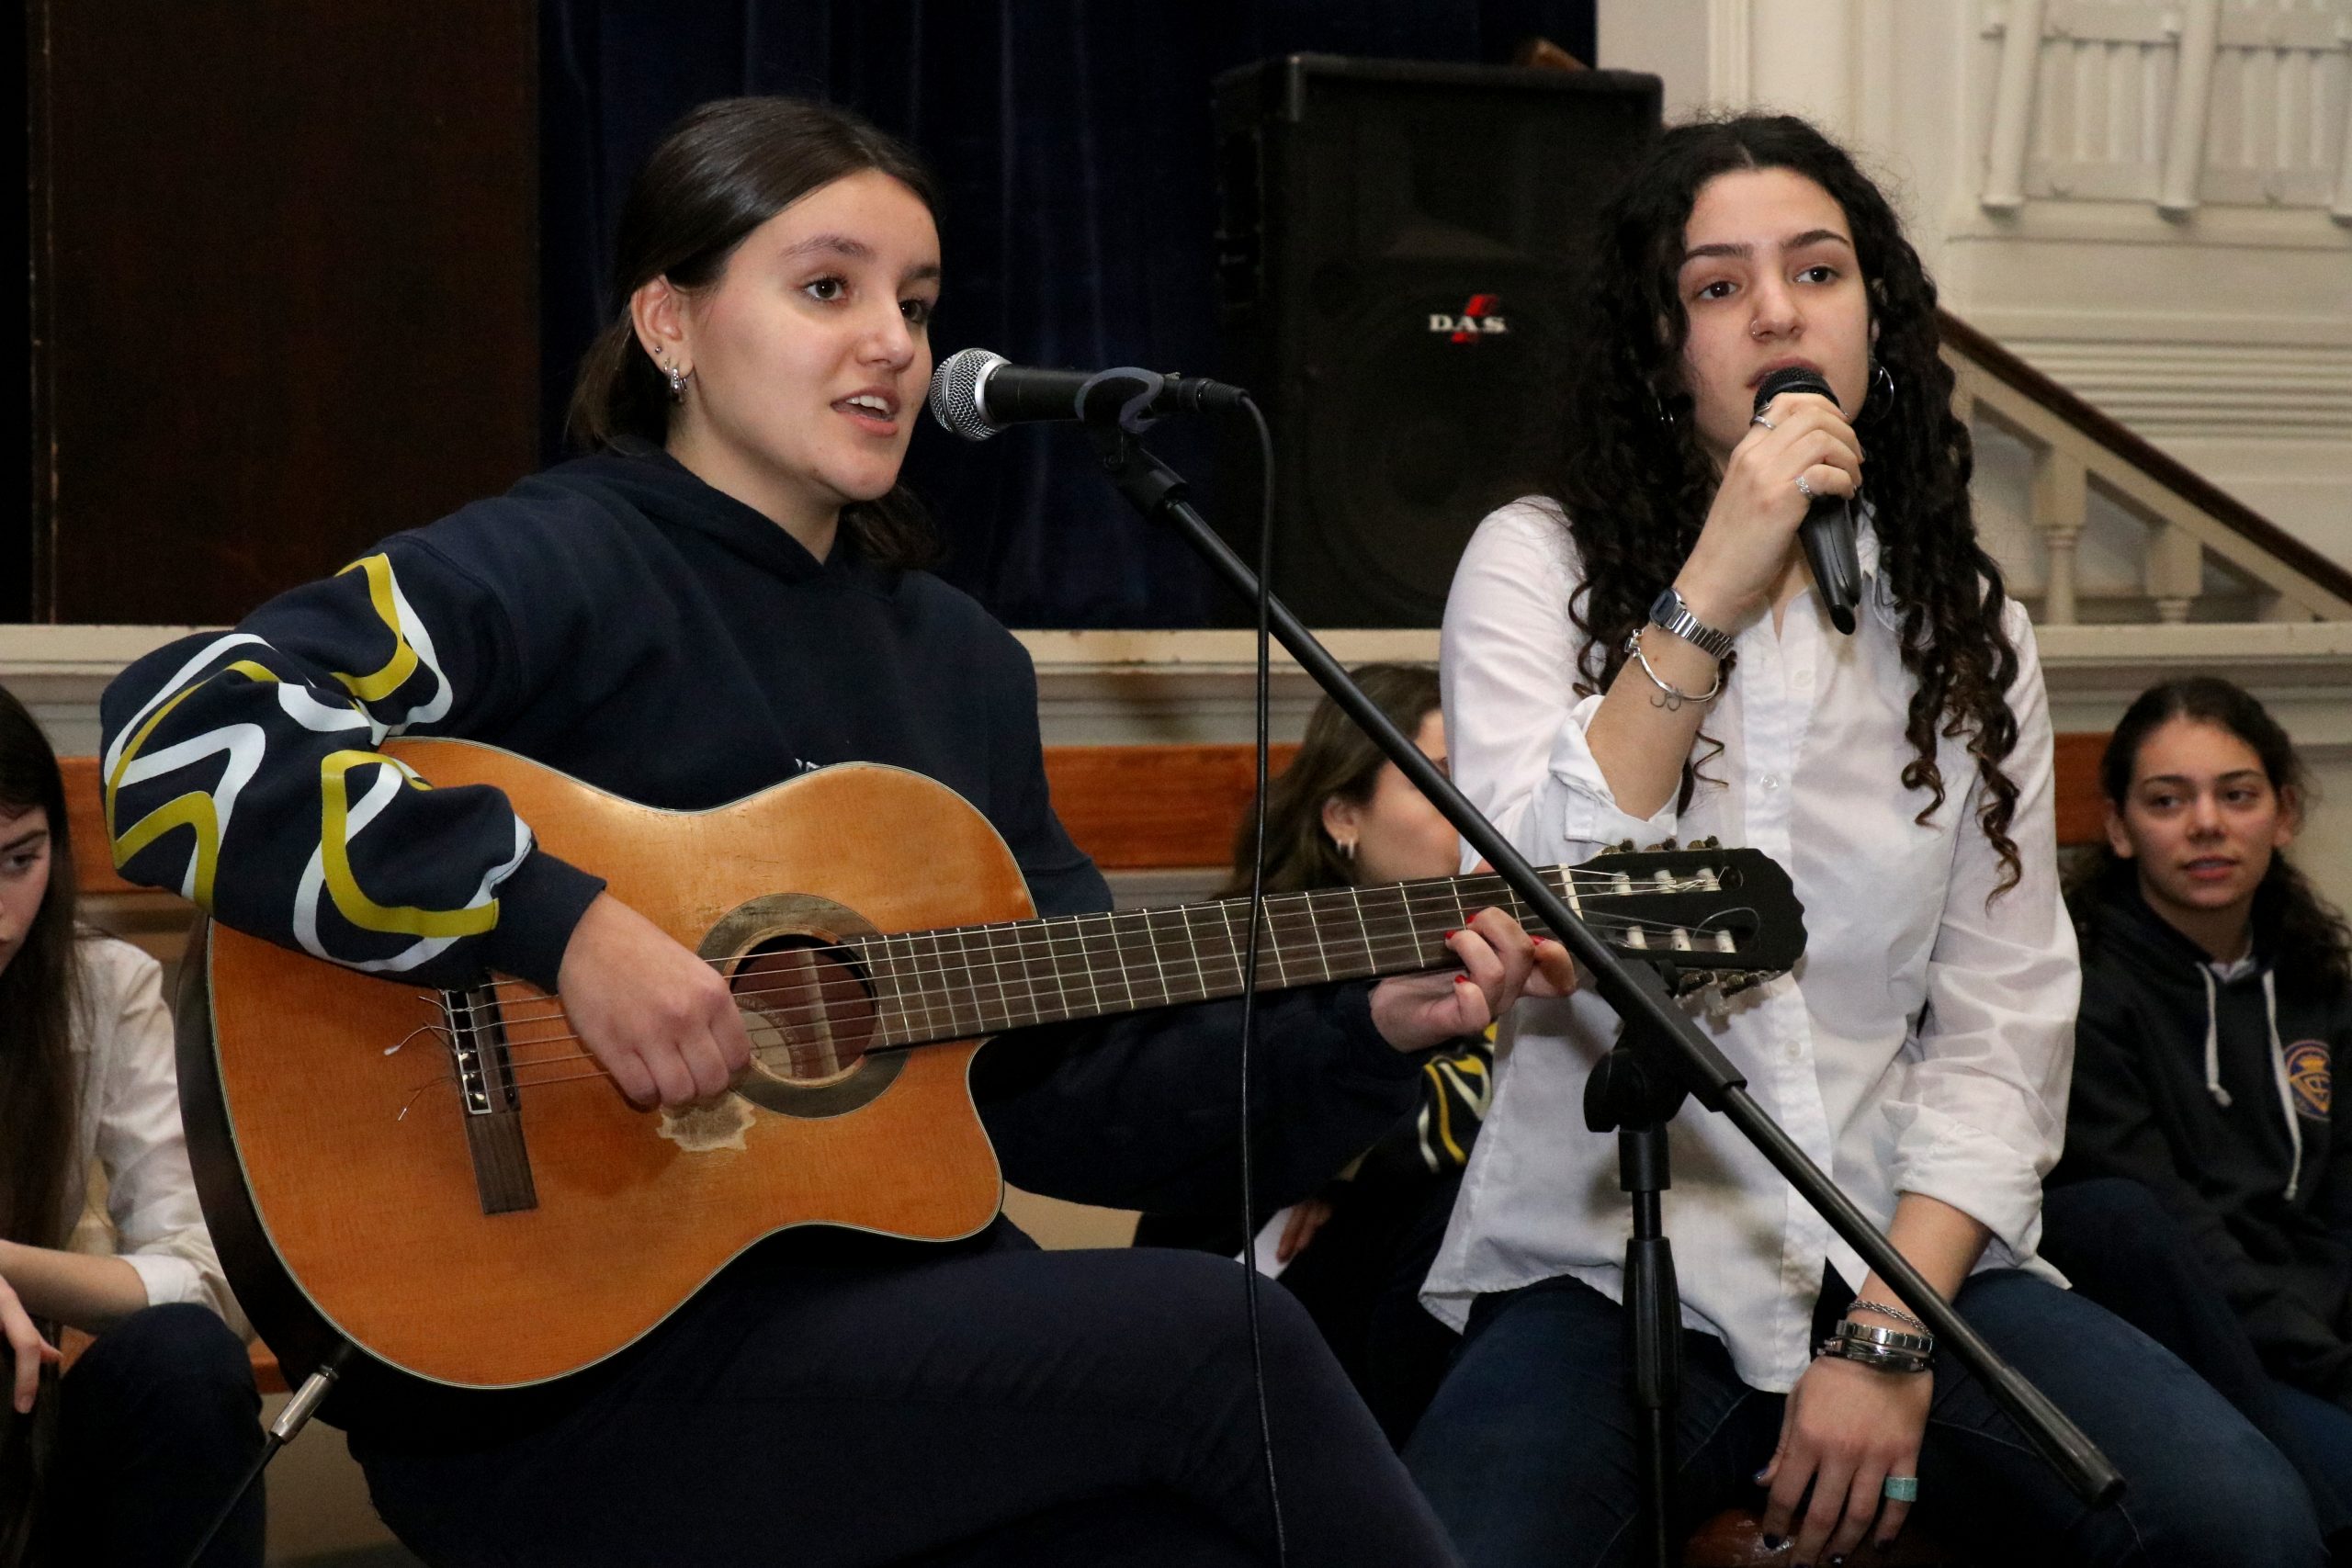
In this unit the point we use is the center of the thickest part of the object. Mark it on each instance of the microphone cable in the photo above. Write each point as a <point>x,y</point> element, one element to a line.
<point>1249,969</point>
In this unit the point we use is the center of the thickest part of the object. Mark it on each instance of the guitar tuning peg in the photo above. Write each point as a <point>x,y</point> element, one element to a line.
<point>1663,846</point>
<point>1622,847</point>
<point>1708,842</point>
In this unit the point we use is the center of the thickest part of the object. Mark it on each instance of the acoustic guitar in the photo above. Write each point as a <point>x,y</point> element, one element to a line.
<point>448,1181</point>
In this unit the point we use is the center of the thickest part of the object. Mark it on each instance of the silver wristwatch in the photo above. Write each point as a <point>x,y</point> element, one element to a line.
<point>1669,613</point>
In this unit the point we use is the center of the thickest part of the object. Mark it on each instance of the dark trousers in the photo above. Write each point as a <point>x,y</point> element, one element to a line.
<point>2118,1245</point>
<point>1528,1452</point>
<point>157,1423</point>
<point>1004,1406</point>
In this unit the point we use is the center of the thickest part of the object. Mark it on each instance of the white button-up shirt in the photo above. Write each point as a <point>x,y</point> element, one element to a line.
<point>1923,1044</point>
<point>129,1125</point>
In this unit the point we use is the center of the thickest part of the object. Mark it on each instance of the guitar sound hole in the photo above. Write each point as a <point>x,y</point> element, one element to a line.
<point>808,1009</point>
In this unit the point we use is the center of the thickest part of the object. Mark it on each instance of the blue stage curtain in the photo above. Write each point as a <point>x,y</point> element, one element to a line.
<point>1072,140</point>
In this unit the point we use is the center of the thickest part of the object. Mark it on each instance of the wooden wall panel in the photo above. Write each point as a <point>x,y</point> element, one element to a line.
<point>285,269</point>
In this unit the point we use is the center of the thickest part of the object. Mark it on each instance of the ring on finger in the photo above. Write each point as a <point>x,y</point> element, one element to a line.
<point>1805,489</point>
<point>1767,424</point>
<point>1901,1488</point>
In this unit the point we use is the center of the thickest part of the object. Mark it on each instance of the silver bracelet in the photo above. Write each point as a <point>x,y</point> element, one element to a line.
<point>1907,1362</point>
<point>1852,1333</point>
<point>1861,1303</point>
<point>1675,696</point>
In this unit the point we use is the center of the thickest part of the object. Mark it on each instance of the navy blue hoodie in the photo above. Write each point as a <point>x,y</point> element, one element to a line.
<point>619,620</point>
<point>2217,1095</point>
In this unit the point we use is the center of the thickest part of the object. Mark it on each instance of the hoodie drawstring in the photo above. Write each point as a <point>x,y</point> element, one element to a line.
<point>2278,1069</point>
<point>2277,1065</point>
<point>2213,1042</point>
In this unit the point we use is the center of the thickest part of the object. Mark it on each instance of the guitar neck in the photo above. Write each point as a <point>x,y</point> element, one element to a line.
<point>964,981</point>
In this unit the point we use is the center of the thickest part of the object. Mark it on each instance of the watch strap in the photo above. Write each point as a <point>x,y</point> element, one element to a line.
<point>1669,614</point>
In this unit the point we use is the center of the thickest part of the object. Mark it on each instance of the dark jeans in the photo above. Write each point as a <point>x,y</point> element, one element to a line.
<point>1360,1280</point>
<point>2118,1246</point>
<point>1528,1452</point>
<point>157,1423</point>
<point>969,1407</point>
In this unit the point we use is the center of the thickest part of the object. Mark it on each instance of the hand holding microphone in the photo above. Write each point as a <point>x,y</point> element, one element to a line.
<point>1827,534</point>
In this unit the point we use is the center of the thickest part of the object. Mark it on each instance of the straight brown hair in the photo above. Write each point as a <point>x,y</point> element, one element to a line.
<point>1336,757</point>
<point>720,173</point>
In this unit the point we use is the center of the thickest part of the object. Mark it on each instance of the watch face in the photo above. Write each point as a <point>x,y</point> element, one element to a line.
<point>1666,606</point>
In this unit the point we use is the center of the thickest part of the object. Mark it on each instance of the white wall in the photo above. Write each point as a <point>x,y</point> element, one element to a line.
<point>2223,336</point>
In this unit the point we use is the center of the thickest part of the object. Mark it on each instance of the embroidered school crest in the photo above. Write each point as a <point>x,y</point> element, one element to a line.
<point>2307,1075</point>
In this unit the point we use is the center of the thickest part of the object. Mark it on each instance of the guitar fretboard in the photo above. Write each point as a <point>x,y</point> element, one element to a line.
<point>970,980</point>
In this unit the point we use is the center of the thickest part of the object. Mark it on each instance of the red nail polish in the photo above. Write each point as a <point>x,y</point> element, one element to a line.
<point>1464,980</point>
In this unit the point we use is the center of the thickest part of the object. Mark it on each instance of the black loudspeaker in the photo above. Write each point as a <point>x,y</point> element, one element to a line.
<point>1399,247</point>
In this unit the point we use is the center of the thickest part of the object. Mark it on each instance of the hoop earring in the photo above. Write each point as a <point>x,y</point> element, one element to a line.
<point>677,382</point>
<point>1665,415</point>
<point>1881,395</point>
<point>1347,848</point>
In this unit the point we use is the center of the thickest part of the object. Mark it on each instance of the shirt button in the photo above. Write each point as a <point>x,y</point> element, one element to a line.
<point>1771,781</point>
<point>1796,1051</point>
<point>1803,681</point>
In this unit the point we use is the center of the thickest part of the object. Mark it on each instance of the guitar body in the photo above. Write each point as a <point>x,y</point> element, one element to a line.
<point>336,1169</point>
<point>446,1183</point>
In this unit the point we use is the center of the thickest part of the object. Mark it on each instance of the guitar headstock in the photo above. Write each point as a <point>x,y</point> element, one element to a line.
<point>1704,914</point>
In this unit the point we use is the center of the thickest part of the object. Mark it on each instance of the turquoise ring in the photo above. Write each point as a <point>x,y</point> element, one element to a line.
<point>1901,1488</point>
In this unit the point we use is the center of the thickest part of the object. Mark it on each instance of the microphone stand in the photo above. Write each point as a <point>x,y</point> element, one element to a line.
<point>1660,1058</point>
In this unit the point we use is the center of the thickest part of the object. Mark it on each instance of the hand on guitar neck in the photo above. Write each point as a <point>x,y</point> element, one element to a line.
<point>661,1021</point>
<point>1501,963</point>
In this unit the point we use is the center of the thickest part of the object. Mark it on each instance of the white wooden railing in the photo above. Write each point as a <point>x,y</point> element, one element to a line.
<point>2175,548</point>
<point>2178,104</point>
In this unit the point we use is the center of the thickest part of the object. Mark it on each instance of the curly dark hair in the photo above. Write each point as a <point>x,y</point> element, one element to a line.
<point>2303,935</point>
<point>1636,483</point>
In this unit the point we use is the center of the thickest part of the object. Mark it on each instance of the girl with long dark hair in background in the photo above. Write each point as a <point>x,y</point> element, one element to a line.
<point>127,1459</point>
<point>1640,654</point>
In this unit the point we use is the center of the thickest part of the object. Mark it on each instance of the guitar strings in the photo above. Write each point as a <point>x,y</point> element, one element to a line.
<point>519,1062</point>
<point>1379,945</point>
<point>837,984</point>
<point>518,1068</point>
<point>1430,895</point>
<point>1027,933</point>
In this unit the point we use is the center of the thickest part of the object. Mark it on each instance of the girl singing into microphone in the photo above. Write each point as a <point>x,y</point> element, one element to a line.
<point>1639,654</point>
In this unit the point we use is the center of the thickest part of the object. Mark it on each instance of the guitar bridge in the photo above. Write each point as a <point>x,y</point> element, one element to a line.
<point>494,1111</point>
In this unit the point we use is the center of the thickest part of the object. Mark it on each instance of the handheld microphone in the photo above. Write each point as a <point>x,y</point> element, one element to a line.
<point>1828,531</point>
<point>976,393</point>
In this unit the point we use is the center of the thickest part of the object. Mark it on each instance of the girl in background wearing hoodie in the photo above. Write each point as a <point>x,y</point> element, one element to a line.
<point>2202,1195</point>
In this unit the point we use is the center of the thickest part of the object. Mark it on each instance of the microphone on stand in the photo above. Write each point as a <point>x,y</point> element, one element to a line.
<point>975,394</point>
<point>1828,531</point>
